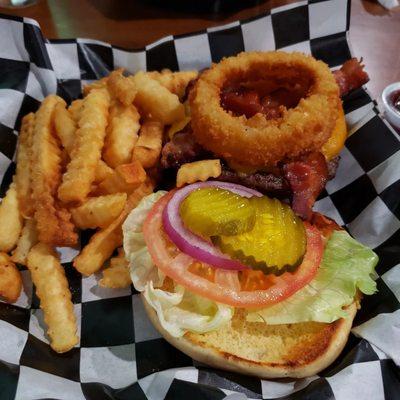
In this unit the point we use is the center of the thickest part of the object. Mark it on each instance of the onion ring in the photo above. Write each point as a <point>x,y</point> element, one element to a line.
<point>258,141</point>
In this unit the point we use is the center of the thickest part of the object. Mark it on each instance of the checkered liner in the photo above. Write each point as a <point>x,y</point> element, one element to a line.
<point>120,355</point>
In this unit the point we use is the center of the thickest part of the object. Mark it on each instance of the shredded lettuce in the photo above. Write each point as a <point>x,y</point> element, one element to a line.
<point>179,311</point>
<point>183,311</point>
<point>141,266</point>
<point>347,265</point>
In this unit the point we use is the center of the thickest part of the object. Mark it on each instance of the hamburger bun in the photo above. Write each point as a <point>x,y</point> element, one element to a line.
<point>266,351</point>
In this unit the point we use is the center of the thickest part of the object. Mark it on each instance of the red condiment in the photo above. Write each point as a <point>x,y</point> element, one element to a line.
<point>396,100</point>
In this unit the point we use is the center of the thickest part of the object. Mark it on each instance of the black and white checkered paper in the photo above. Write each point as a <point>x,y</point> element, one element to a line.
<point>120,355</point>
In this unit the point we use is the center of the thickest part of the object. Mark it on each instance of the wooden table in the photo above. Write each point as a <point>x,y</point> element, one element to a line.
<point>374,32</point>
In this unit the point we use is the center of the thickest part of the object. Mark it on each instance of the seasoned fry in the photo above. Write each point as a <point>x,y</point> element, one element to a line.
<point>86,153</point>
<point>103,171</point>
<point>75,109</point>
<point>99,211</point>
<point>10,220</point>
<point>26,241</point>
<point>65,127</point>
<point>122,134</point>
<point>156,100</point>
<point>23,172</point>
<point>53,221</point>
<point>125,178</point>
<point>106,240</point>
<point>116,276</point>
<point>175,82</point>
<point>10,279</point>
<point>55,297</point>
<point>198,171</point>
<point>121,87</point>
<point>148,147</point>
<point>100,84</point>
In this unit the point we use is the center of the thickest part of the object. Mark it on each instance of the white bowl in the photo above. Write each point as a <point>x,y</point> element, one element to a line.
<point>391,114</point>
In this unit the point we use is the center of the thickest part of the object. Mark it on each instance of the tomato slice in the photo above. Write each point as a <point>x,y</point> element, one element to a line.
<point>226,287</point>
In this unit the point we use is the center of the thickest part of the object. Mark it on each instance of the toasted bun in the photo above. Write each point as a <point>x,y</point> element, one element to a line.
<point>265,351</point>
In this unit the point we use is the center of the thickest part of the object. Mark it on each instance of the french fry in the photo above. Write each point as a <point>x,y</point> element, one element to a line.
<point>102,244</point>
<point>198,171</point>
<point>148,147</point>
<point>103,171</point>
<point>122,134</point>
<point>99,211</point>
<point>75,109</point>
<point>86,154</point>
<point>55,297</point>
<point>10,220</point>
<point>99,84</point>
<point>65,127</point>
<point>156,100</point>
<point>26,241</point>
<point>121,87</point>
<point>116,276</point>
<point>23,171</point>
<point>175,82</point>
<point>53,221</point>
<point>125,178</point>
<point>10,279</point>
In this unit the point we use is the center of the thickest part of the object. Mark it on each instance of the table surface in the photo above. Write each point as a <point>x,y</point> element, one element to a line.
<point>374,31</point>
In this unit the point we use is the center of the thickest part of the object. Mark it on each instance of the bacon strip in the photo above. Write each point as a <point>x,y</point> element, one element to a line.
<point>350,76</point>
<point>307,177</point>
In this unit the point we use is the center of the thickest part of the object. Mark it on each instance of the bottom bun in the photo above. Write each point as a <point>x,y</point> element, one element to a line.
<point>265,351</point>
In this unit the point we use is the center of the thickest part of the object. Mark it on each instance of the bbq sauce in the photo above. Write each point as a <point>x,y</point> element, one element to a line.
<point>396,100</point>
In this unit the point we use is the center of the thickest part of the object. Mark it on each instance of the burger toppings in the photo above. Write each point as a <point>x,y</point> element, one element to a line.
<point>275,244</point>
<point>226,287</point>
<point>307,177</point>
<point>214,211</point>
<point>189,295</point>
<point>190,243</point>
<point>350,76</point>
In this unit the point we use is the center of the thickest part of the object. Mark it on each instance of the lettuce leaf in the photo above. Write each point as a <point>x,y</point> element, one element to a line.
<point>347,265</point>
<point>141,266</point>
<point>183,311</point>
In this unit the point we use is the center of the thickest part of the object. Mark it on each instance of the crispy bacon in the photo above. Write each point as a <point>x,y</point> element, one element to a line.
<point>181,149</point>
<point>350,76</point>
<point>307,177</point>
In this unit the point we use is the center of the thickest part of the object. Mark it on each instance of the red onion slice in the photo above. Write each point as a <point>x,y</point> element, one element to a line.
<point>192,244</point>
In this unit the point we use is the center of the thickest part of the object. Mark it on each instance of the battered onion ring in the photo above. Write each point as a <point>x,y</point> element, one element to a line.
<point>258,141</point>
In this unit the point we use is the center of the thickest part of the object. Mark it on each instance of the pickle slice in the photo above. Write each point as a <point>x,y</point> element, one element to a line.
<point>215,211</point>
<point>276,243</point>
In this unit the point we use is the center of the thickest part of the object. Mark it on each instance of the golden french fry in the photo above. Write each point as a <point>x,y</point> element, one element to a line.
<point>10,279</point>
<point>121,87</point>
<point>65,127</point>
<point>55,297</point>
<point>116,276</point>
<point>198,171</point>
<point>122,134</point>
<point>26,241</point>
<point>102,244</point>
<point>10,220</point>
<point>23,171</point>
<point>148,147</point>
<point>53,221</point>
<point>86,154</point>
<point>99,84</point>
<point>125,178</point>
<point>156,100</point>
<point>175,82</point>
<point>75,109</point>
<point>99,211</point>
<point>103,171</point>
